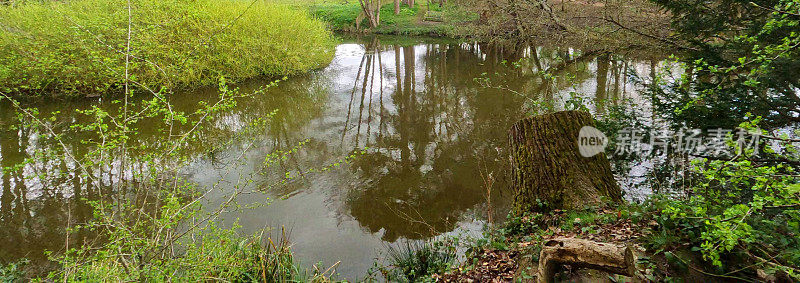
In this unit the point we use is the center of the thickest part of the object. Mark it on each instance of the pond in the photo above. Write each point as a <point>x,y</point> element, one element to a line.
<point>397,139</point>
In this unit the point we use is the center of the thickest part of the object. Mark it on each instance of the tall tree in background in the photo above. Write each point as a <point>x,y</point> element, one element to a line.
<point>397,7</point>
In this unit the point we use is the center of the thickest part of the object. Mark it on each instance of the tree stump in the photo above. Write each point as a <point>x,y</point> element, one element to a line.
<point>547,169</point>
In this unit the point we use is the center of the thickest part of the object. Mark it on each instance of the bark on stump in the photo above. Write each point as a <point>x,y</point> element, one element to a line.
<point>547,168</point>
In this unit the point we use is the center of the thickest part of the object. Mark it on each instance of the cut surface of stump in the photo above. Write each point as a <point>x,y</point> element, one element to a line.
<point>547,169</point>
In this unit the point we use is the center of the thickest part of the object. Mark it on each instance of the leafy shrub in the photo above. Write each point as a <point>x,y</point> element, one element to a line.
<point>737,210</point>
<point>12,272</point>
<point>218,254</point>
<point>164,230</point>
<point>79,46</point>
<point>741,208</point>
<point>729,74</point>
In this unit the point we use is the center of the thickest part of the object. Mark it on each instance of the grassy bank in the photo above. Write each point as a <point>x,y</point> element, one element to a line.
<point>78,47</point>
<point>421,19</point>
<point>613,25</point>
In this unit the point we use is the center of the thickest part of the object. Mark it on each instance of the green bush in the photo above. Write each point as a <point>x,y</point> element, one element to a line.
<point>12,272</point>
<point>79,46</point>
<point>739,209</point>
<point>219,254</point>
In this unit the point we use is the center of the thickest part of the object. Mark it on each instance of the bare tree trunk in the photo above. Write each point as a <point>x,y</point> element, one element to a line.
<point>397,7</point>
<point>546,8</point>
<point>547,170</point>
<point>372,10</point>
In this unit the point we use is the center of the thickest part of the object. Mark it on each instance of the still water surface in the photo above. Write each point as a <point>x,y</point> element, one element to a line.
<point>412,131</point>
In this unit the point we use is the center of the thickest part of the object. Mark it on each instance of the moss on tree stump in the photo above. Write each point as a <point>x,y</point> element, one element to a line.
<point>547,170</point>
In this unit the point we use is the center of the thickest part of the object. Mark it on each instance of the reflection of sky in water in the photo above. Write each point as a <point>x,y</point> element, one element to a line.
<point>430,131</point>
<point>320,227</point>
<point>323,221</point>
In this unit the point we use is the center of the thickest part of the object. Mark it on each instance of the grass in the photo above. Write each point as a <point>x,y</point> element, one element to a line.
<point>340,17</point>
<point>410,20</point>
<point>77,47</point>
<point>413,261</point>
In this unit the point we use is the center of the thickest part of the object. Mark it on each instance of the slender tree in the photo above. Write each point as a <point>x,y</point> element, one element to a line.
<point>371,10</point>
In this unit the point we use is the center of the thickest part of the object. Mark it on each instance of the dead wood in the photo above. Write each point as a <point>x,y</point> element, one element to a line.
<point>585,254</point>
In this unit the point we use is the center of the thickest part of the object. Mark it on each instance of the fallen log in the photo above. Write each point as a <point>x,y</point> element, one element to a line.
<point>585,254</point>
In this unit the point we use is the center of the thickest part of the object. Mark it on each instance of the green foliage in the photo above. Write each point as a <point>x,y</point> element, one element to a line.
<point>343,17</point>
<point>742,209</point>
<point>526,224</point>
<point>408,15</point>
<point>216,254</point>
<point>409,22</point>
<point>492,239</point>
<point>149,224</point>
<point>742,57</point>
<point>12,272</point>
<point>339,17</point>
<point>161,232</point>
<point>736,212</point>
<point>155,228</point>
<point>78,47</point>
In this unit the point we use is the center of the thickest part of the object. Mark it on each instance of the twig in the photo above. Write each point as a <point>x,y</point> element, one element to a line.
<point>664,40</point>
<point>774,10</point>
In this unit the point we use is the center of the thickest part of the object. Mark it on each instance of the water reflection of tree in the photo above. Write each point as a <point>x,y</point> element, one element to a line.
<point>432,130</point>
<point>33,215</point>
<point>40,196</point>
<point>424,167</point>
